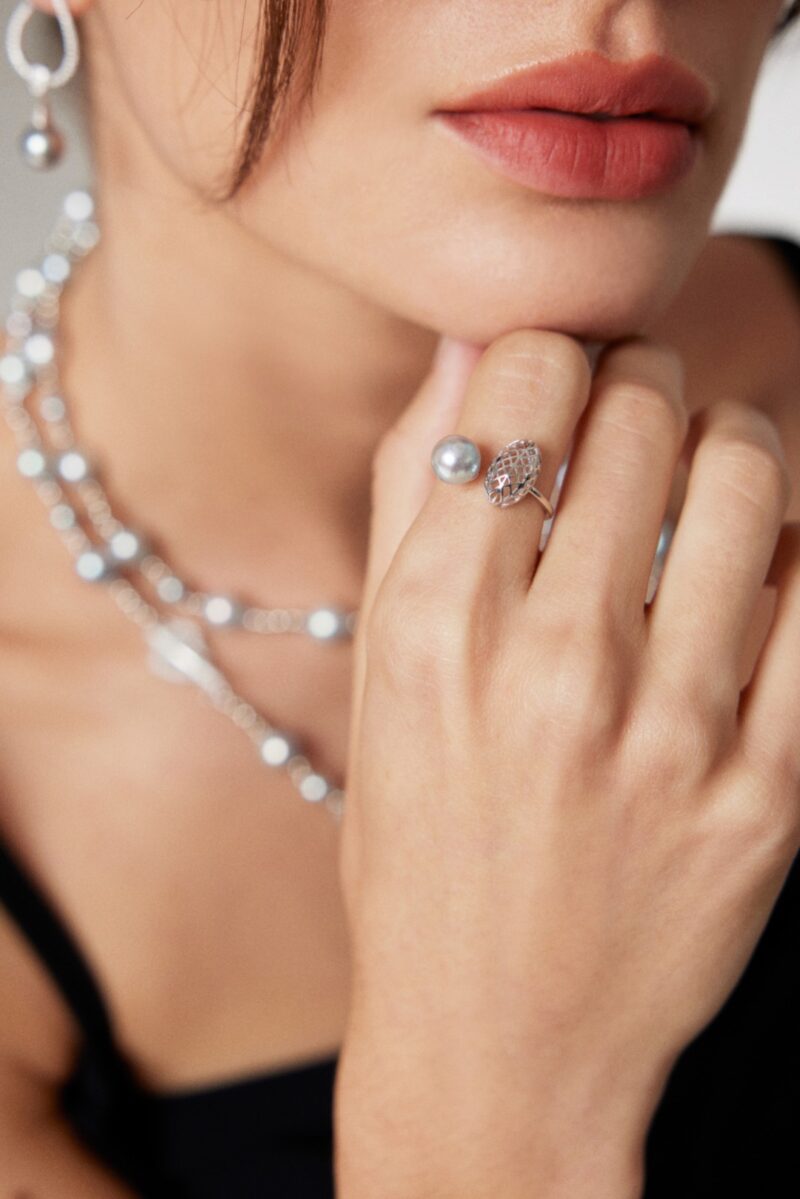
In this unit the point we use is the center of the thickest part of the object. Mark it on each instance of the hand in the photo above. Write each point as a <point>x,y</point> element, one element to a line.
<point>567,818</point>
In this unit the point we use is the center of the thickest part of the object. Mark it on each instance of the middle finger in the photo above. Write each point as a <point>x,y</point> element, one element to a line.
<point>617,486</point>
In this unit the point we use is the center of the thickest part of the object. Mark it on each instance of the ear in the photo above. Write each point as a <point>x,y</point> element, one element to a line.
<point>76,7</point>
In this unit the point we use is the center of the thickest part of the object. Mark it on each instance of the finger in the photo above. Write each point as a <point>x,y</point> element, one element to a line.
<point>528,384</point>
<point>402,475</point>
<point>616,491</point>
<point>401,480</point>
<point>736,499</point>
<point>769,711</point>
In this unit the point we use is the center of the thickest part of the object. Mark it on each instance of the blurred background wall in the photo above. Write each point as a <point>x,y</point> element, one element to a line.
<point>764,191</point>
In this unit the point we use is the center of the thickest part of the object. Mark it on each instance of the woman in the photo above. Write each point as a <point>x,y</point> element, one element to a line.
<point>569,811</point>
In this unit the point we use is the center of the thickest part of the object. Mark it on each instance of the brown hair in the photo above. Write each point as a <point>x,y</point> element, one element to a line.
<point>287,28</point>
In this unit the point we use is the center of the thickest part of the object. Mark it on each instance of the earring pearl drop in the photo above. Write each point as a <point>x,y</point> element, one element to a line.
<point>41,144</point>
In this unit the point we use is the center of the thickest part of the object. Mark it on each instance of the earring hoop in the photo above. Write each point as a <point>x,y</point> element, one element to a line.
<point>42,143</point>
<point>40,78</point>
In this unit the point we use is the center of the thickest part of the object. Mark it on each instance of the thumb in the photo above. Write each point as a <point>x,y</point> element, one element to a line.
<point>402,475</point>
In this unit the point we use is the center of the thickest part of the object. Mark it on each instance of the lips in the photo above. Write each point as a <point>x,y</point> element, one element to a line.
<point>587,127</point>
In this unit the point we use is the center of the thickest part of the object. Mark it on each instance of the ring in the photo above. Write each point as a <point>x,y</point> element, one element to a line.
<point>456,459</point>
<point>513,473</point>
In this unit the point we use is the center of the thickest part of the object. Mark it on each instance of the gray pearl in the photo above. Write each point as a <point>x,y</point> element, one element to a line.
<point>456,459</point>
<point>41,148</point>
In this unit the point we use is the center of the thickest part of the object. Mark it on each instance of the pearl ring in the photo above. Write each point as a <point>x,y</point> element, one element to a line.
<point>512,473</point>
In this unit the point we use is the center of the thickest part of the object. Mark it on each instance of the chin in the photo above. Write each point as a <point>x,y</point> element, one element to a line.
<point>484,314</point>
<point>594,275</point>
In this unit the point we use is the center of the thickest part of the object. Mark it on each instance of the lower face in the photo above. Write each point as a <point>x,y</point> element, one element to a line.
<point>549,215</point>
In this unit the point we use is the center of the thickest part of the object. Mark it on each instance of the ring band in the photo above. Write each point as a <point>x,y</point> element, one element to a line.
<point>512,475</point>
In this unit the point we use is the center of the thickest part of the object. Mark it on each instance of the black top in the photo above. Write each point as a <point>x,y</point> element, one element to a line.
<point>727,1123</point>
<point>728,1118</point>
<point>257,1137</point>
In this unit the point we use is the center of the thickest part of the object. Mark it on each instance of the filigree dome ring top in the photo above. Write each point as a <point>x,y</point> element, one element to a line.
<point>512,475</point>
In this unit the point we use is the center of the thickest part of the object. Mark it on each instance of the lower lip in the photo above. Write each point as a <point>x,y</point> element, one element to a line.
<point>572,156</point>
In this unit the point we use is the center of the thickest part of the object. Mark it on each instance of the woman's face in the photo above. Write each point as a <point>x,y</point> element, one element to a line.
<point>368,188</point>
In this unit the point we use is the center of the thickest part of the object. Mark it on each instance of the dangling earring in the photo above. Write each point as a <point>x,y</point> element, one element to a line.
<point>42,143</point>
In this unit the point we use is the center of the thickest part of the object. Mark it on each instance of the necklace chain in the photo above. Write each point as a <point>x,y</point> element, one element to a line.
<point>104,549</point>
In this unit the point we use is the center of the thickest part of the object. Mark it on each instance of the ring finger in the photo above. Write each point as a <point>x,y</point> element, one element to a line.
<point>600,552</point>
<point>737,497</point>
<point>528,384</point>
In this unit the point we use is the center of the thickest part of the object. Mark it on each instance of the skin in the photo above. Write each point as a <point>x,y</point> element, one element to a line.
<point>535,702</point>
<point>326,251</point>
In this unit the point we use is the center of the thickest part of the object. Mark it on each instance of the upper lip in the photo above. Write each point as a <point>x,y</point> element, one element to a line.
<point>588,83</point>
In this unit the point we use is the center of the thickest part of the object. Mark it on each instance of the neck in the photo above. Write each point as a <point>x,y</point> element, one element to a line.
<point>234,397</point>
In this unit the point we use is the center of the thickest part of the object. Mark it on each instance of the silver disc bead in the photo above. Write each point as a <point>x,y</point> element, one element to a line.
<point>170,590</point>
<point>456,459</point>
<point>127,547</point>
<point>313,788</point>
<point>78,206</point>
<point>32,463</point>
<point>16,376</point>
<point>73,466</point>
<point>39,349</point>
<point>276,749</point>
<point>221,611</point>
<point>93,566</point>
<point>326,623</point>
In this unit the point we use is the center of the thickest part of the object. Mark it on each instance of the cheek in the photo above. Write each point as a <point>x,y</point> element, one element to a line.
<point>415,223</point>
<point>367,192</point>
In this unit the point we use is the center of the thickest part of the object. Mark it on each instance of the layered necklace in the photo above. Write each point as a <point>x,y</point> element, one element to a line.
<point>171,614</point>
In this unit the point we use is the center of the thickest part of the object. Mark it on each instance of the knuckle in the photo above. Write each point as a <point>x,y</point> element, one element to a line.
<point>641,357</point>
<point>762,812</point>
<point>651,375</point>
<point>411,631</point>
<point>638,406</point>
<point>537,359</point>
<point>673,748</point>
<point>584,700</point>
<point>697,696</point>
<point>682,728</point>
<point>776,769</point>
<point>752,465</point>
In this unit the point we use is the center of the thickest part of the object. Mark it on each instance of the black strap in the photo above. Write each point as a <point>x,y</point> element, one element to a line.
<point>56,947</point>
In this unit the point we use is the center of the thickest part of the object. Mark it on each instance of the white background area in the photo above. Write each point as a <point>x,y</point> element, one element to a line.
<point>763,193</point>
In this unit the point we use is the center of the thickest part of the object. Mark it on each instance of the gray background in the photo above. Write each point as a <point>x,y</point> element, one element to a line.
<point>29,200</point>
<point>764,192</point>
